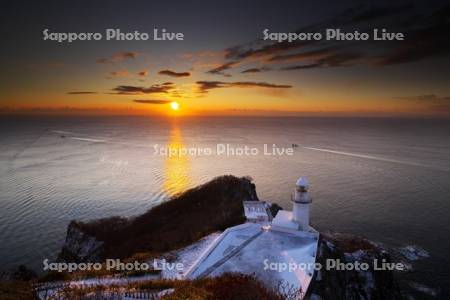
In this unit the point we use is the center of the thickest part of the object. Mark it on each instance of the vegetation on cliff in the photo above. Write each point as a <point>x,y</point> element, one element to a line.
<point>187,217</point>
<point>228,286</point>
<point>17,284</point>
<point>336,284</point>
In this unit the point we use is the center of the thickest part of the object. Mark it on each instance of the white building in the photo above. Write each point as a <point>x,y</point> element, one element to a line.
<point>257,211</point>
<point>252,247</point>
<point>298,218</point>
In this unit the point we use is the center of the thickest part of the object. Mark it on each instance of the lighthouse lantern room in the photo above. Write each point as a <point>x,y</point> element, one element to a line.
<point>298,219</point>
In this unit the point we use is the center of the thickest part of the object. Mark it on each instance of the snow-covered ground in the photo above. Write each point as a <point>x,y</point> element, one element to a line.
<point>189,255</point>
<point>45,291</point>
<point>186,256</point>
<point>251,248</point>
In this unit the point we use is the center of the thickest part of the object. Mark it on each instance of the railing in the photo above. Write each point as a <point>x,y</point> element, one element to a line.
<point>46,291</point>
<point>148,295</point>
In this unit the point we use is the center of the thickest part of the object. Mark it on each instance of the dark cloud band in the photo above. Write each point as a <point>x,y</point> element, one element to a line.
<point>145,101</point>
<point>174,74</point>
<point>204,86</point>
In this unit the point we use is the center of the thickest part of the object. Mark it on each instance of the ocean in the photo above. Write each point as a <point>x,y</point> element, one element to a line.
<point>386,179</point>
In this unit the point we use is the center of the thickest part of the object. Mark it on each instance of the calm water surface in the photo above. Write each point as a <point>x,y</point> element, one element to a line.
<point>385,179</point>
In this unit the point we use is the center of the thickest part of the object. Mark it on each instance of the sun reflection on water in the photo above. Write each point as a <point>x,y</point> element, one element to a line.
<point>176,168</point>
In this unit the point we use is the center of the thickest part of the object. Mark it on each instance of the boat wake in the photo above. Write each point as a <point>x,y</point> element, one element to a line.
<point>88,140</point>
<point>364,156</point>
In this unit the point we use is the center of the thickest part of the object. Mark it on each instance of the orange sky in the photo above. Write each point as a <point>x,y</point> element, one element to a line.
<point>227,70</point>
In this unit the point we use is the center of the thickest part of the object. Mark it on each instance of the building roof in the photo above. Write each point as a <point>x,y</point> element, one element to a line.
<point>283,220</point>
<point>303,182</point>
<point>249,249</point>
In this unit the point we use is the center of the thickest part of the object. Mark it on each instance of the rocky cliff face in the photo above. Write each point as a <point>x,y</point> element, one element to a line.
<point>184,219</point>
<point>79,246</point>
<point>352,284</point>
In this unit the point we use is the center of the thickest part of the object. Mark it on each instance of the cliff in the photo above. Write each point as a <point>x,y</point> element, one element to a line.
<point>80,246</point>
<point>187,217</point>
<point>352,284</point>
<point>213,207</point>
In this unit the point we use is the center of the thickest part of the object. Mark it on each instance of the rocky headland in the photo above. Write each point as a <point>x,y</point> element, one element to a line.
<point>213,207</point>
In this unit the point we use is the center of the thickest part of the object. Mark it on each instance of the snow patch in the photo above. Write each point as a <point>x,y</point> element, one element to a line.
<point>188,256</point>
<point>413,252</point>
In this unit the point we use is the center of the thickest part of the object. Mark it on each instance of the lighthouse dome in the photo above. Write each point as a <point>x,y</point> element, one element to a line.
<point>302,182</point>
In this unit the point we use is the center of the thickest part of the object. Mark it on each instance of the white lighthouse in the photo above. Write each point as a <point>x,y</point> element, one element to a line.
<point>301,202</point>
<point>298,218</point>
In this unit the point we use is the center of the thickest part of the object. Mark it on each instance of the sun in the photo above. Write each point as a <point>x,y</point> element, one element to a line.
<point>174,105</point>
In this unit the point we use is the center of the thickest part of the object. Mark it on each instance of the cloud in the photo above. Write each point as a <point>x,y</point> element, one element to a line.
<point>256,70</point>
<point>260,84</point>
<point>121,73</point>
<point>329,56</point>
<point>208,85</point>
<point>145,101</point>
<point>332,60</point>
<point>103,61</point>
<point>302,67</point>
<point>134,90</point>
<point>143,73</point>
<point>361,14</point>
<point>219,70</point>
<point>425,98</point>
<point>81,93</point>
<point>301,56</point>
<point>204,86</point>
<point>426,36</point>
<point>119,56</point>
<point>254,49</point>
<point>362,17</point>
<point>252,70</point>
<point>174,74</point>
<point>432,102</point>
